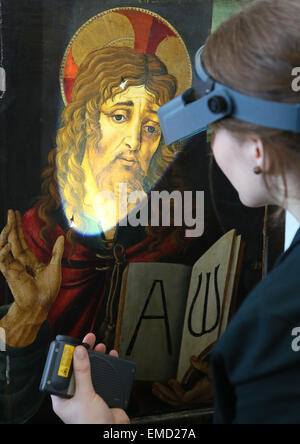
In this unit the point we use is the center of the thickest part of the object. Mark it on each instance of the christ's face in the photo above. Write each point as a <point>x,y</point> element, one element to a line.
<point>130,135</point>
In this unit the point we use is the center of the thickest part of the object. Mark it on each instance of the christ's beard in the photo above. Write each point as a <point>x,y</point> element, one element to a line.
<point>114,174</point>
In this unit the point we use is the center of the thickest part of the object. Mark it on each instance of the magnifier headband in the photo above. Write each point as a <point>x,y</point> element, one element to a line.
<point>210,101</point>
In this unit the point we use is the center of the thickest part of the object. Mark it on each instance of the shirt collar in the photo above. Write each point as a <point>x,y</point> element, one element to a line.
<point>295,242</point>
<point>296,237</point>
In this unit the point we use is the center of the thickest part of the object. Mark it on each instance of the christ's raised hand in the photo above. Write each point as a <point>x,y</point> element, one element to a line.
<point>33,284</point>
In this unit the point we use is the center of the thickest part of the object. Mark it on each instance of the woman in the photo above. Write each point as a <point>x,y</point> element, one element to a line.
<point>255,370</point>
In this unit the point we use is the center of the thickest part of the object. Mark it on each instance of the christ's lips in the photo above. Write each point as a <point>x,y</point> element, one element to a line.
<point>130,160</point>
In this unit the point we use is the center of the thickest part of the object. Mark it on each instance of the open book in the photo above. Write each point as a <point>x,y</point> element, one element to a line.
<point>169,312</point>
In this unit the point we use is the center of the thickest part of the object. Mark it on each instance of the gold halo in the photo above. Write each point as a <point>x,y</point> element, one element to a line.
<point>109,28</point>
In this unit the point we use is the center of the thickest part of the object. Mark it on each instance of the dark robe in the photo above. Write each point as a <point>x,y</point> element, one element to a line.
<point>255,365</point>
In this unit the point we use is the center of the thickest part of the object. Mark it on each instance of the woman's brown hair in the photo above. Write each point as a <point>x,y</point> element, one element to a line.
<point>254,52</point>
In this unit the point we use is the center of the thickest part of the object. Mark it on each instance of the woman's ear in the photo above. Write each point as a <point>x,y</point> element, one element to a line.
<point>261,157</point>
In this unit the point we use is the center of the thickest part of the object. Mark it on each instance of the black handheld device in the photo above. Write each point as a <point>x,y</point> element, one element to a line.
<point>112,377</point>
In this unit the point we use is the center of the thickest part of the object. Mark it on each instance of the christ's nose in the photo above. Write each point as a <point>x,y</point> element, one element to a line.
<point>133,138</point>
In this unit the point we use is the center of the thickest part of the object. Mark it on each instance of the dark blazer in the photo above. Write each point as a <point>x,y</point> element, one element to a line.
<point>255,370</point>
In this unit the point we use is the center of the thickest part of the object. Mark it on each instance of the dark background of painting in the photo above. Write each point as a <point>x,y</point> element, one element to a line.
<point>35,35</point>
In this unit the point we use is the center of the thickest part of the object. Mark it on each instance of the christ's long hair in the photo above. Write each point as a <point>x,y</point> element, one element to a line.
<point>98,79</point>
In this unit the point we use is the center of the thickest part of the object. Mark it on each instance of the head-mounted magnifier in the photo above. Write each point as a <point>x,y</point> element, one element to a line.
<point>209,101</point>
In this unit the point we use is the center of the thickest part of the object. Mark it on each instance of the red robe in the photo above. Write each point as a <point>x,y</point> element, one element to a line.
<point>80,300</point>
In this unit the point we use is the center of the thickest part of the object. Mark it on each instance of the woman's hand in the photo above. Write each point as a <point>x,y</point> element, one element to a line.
<point>32,283</point>
<point>86,407</point>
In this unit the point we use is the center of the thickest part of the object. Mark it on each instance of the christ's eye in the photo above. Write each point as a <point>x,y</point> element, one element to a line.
<point>119,118</point>
<point>151,129</point>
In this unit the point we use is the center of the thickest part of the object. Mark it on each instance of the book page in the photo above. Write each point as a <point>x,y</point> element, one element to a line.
<point>208,293</point>
<point>232,281</point>
<point>151,316</point>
